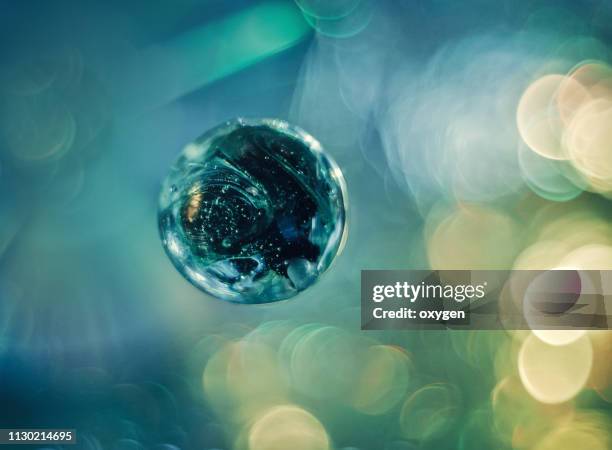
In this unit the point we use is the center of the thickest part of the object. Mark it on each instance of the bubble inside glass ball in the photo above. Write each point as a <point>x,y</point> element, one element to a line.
<point>253,211</point>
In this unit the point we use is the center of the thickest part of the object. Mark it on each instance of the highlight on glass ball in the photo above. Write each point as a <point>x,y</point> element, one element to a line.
<point>253,211</point>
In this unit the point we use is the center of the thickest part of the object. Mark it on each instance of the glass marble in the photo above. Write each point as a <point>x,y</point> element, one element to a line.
<point>253,211</point>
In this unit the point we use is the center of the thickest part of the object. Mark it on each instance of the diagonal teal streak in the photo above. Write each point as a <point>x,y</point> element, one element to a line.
<point>164,72</point>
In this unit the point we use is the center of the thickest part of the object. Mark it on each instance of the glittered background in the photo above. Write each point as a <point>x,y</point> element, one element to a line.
<point>472,135</point>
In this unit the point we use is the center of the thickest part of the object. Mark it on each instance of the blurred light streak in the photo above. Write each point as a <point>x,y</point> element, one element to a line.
<point>317,105</point>
<point>10,224</point>
<point>196,58</point>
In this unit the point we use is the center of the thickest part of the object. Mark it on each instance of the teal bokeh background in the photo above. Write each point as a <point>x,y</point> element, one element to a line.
<point>415,100</point>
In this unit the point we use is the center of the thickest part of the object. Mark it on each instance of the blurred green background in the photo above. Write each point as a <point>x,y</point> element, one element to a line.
<point>472,135</point>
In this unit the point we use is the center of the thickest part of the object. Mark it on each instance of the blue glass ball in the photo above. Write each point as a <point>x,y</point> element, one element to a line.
<point>253,211</point>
